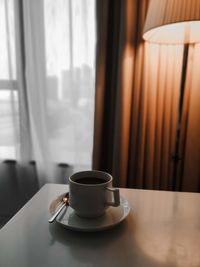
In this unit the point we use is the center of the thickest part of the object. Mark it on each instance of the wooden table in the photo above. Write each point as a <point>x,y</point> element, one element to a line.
<point>163,229</point>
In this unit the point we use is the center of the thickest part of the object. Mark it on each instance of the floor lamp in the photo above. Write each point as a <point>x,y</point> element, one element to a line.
<point>174,22</point>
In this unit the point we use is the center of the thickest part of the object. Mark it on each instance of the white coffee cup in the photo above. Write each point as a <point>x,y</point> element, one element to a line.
<point>91,193</point>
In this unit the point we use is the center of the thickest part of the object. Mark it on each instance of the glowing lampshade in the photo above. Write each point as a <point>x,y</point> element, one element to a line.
<point>173,22</point>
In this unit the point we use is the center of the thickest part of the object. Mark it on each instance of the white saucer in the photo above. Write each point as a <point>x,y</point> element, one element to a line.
<point>112,217</point>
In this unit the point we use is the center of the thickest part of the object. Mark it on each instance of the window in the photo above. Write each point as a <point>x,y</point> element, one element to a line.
<point>68,43</point>
<point>9,130</point>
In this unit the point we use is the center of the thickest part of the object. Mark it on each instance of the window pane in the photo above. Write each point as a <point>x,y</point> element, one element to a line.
<point>70,59</point>
<point>7,40</point>
<point>9,129</point>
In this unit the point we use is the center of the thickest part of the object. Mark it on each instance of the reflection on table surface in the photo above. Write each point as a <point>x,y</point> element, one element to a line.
<point>162,229</point>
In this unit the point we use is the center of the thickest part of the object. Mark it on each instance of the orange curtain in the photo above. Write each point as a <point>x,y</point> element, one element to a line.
<point>137,92</point>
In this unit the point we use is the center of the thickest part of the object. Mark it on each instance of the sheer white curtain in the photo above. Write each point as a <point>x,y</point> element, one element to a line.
<point>47,55</point>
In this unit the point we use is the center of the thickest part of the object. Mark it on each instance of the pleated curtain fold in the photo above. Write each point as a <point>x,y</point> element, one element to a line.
<point>137,91</point>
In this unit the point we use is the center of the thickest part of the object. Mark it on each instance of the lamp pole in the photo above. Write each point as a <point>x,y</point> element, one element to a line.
<point>176,157</point>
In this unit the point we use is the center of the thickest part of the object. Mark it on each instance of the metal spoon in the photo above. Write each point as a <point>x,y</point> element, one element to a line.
<point>65,201</point>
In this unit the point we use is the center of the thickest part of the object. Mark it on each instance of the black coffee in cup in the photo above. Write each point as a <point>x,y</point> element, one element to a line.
<point>90,180</point>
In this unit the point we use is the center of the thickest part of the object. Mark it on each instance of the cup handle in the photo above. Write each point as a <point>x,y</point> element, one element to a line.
<point>115,191</point>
